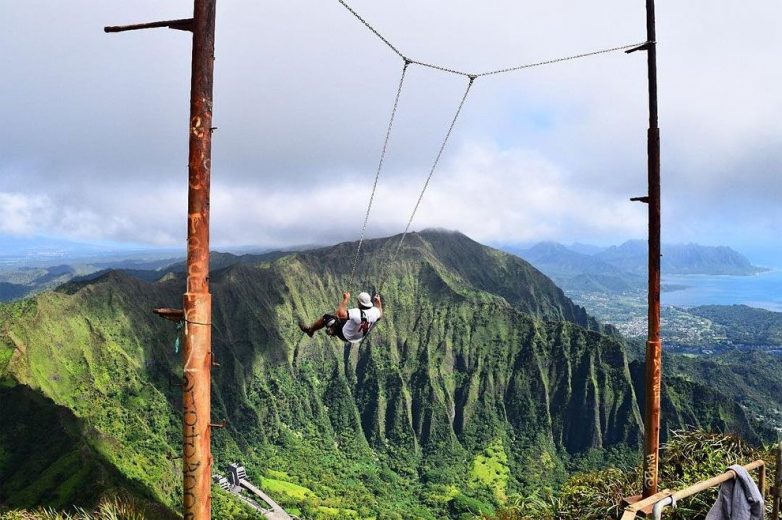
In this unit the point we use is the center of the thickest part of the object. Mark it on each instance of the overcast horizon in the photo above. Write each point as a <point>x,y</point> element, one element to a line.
<point>94,145</point>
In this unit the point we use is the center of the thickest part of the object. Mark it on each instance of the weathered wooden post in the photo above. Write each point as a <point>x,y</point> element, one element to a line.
<point>197,301</point>
<point>653,343</point>
<point>776,491</point>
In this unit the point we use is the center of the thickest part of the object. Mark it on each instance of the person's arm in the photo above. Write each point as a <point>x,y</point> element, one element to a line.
<point>342,310</point>
<point>379,304</point>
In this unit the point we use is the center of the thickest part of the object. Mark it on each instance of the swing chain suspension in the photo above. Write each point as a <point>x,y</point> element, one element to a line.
<point>379,169</point>
<point>441,68</point>
<point>564,58</point>
<point>472,78</point>
<point>368,26</point>
<point>493,72</point>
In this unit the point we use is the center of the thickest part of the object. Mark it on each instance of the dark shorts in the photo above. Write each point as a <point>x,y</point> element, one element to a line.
<point>335,327</point>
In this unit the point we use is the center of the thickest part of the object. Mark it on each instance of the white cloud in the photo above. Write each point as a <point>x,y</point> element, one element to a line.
<point>20,214</point>
<point>489,194</point>
<point>132,214</point>
<point>94,124</point>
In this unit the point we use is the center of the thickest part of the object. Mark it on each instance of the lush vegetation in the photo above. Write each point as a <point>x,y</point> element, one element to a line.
<point>483,383</point>
<point>744,325</point>
<point>114,508</point>
<point>687,458</point>
<point>750,379</point>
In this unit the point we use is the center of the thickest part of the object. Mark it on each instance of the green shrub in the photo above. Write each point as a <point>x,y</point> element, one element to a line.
<point>687,458</point>
<point>463,505</point>
<point>691,456</point>
<point>111,508</point>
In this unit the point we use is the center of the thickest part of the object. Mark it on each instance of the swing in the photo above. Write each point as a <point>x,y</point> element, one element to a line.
<point>331,327</point>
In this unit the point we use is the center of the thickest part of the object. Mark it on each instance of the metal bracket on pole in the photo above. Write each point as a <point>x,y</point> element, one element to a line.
<point>169,313</point>
<point>643,47</point>
<point>218,425</point>
<point>214,363</point>
<point>184,24</point>
<point>644,199</point>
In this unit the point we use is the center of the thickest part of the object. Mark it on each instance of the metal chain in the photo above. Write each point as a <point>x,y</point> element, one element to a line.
<point>426,184</point>
<point>490,73</point>
<point>360,19</point>
<point>443,69</point>
<point>377,173</point>
<point>558,60</point>
<point>472,78</point>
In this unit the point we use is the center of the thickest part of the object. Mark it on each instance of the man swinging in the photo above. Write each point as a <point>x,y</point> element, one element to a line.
<point>349,325</point>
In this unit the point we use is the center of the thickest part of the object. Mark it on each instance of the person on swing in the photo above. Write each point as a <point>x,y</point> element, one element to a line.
<point>349,325</point>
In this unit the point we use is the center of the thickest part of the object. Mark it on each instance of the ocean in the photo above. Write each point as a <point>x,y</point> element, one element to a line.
<point>762,290</point>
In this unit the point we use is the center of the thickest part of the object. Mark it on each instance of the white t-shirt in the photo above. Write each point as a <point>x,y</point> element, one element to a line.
<point>354,330</point>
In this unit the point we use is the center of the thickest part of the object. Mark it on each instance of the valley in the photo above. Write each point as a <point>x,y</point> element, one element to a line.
<point>484,382</point>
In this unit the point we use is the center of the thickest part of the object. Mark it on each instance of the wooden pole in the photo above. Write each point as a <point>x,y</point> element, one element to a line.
<point>776,491</point>
<point>653,344</point>
<point>197,301</point>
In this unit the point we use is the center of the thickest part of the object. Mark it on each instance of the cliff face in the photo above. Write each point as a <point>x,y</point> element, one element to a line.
<point>480,361</point>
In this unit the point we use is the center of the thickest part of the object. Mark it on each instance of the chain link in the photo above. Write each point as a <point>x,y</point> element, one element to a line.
<point>472,78</point>
<point>490,73</point>
<point>377,33</point>
<point>426,184</point>
<point>377,173</point>
<point>443,69</point>
<point>559,60</point>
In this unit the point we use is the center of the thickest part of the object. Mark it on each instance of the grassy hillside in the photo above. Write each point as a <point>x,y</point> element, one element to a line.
<point>482,381</point>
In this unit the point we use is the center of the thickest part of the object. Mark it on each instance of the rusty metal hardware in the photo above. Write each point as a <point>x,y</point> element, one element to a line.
<point>169,313</point>
<point>183,24</point>
<point>645,46</point>
<point>218,425</point>
<point>644,199</point>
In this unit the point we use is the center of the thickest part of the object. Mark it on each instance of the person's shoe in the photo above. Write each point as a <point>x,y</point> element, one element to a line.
<point>306,330</point>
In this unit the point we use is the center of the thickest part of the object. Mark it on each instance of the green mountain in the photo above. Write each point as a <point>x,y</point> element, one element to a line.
<point>482,380</point>
<point>44,458</point>
<point>622,269</point>
<point>689,402</point>
<point>632,257</point>
<point>750,379</point>
<point>744,325</point>
<point>18,282</point>
<point>575,271</point>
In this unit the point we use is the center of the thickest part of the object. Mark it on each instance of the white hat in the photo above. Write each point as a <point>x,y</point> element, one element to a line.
<point>365,300</point>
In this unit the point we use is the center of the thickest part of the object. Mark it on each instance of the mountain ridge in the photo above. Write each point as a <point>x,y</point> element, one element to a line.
<point>618,269</point>
<point>480,355</point>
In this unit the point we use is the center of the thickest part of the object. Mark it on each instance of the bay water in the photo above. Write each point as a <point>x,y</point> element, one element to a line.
<point>763,290</point>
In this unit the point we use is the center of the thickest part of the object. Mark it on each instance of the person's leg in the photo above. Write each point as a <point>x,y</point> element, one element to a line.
<point>316,326</point>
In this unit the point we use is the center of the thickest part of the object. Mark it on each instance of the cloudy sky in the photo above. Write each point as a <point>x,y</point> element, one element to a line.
<point>93,142</point>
